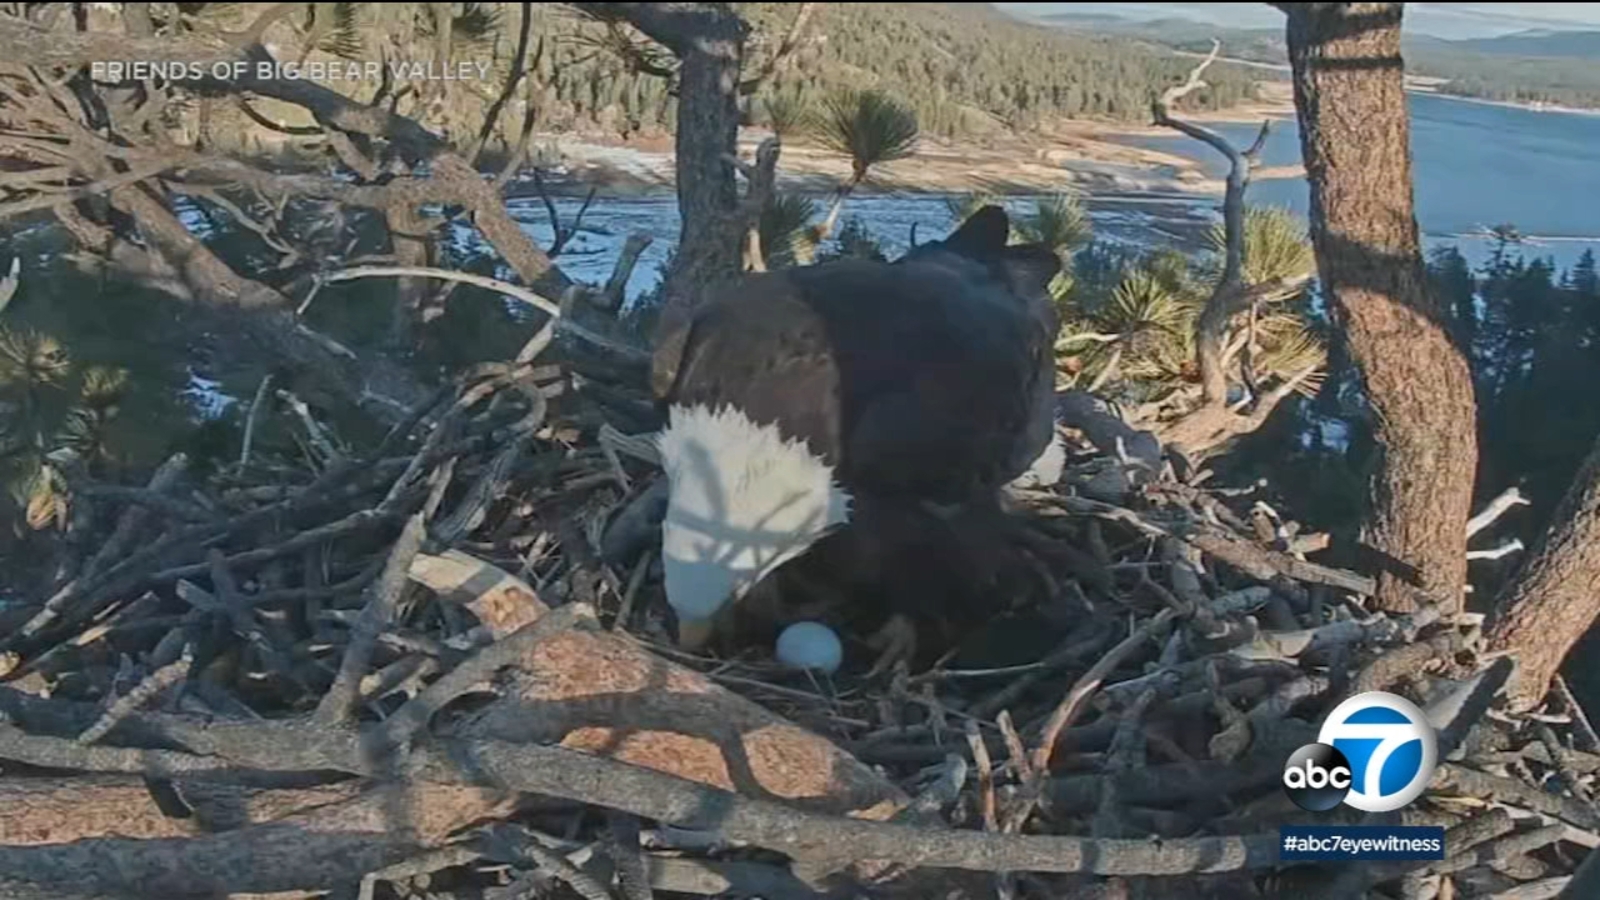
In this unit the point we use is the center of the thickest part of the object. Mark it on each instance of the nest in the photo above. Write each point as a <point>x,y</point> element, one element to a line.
<point>411,673</point>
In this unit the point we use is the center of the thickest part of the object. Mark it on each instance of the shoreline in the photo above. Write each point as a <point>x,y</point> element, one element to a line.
<point>1083,155</point>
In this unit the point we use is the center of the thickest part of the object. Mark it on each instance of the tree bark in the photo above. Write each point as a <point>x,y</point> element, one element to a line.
<point>1555,597</point>
<point>709,41</point>
<point>1355,137</point>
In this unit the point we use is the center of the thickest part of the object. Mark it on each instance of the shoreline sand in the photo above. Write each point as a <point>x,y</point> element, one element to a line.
<point>1071,154</point>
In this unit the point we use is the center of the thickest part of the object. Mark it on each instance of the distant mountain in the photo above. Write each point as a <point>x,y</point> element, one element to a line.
<point>1538,42</point>
<point>1539,67</point>
<point>1254,44</point>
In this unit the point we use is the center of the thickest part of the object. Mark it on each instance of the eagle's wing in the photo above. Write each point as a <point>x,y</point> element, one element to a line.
<point>762,349</point>
<point>936,375</point>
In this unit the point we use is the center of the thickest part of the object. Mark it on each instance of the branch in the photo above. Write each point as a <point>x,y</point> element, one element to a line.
<point>1497,507</point>
<point>339,703</point>
<point>791,41</point>
<point>578,776</point>
<point>519,69</point>
<point>100,186</point>
<point>510,290</point>
<point>616,289</point>
<point>406,722</point>
<point>1230,296</point>
<point>1509,547</point>
<point>680,27</point>
<point>9,284</point>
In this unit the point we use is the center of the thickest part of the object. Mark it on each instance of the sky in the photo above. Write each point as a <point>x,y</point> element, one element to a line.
<point>1452,21</point>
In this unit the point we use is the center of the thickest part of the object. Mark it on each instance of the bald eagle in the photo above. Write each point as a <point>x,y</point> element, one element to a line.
<point>857,404</point>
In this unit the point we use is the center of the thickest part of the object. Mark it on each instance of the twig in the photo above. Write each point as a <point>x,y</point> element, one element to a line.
<point>519,69</point>
<point>1558,758</point>
<point>313,430</point>
<point>791,40</point>
<point>1478,784</point>
<point>1586,730</point>
<point>632,875</point>
<point>630,593</point>
<point>1072,705</point>
<point>518,846</point>
<point>1506,549</point>
<point>1474,700</point>
<point>1263,564</point>
<point>403,725</point>
<point>426,864</point>
<point>9,284</point>
<point>340,702</point>
<point>615,291</point>
<point>158,681</point>
<point>251,420</point>
<point>980,761</point>
<point>510,290</point>
<point>127,528</point>
<point>1499,506</point>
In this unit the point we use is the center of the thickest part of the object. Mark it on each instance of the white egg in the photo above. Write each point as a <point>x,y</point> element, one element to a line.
<point>810,645</point>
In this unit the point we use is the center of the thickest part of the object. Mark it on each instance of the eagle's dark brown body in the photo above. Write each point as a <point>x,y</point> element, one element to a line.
<point>926,385</point>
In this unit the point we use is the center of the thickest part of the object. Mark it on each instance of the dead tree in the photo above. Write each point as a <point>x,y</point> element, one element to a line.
<point>1215,421</point>
<point>1355,137</point>
<point>1555,597</point>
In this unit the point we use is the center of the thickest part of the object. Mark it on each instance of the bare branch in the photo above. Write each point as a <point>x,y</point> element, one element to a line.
<point>1230,297</point>
<point>10,283</point>
<point>509,290</point>
<point>1506,549</point>
<point>519,69</point>
<point>339,704</point>
<point>1499,506</point>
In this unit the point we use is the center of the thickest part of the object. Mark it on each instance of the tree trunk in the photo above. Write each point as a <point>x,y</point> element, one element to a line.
<point>709,41</point>
<point>1555,597</point>
<point>1355,137</point>
<point>708,134</point>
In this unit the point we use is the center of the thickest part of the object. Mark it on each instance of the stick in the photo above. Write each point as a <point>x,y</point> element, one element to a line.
<point>520,847</point>
<point>616,289</point>
<point>8,284</point>
<point>340,702</point>
<point>574,775</point>
<point>403,725</point>
<point>158,681</point>
<point>1071,705</point>
<point>537,301</point>
<point>1506,549</point>
<point>633,875</point>
<point>1499,506</point>
<point>250,422</point>
<point>127,526</point>
<point>985,768</point>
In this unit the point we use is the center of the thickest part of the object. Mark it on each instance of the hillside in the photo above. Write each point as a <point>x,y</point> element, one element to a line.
<point>1539,43</point>
<point>1531,67</point>
<point>953,60</point>
<point>965,68</point>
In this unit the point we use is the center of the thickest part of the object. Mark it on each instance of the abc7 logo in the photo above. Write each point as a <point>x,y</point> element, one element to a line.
<point>1376,752</point>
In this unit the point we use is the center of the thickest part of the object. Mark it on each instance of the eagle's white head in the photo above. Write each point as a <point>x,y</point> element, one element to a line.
<point>742,500</point>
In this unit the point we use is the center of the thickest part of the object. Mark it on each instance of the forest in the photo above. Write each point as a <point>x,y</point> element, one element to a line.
<point>329,562</point>
<point>1552,68</point>
<point>966,69</point>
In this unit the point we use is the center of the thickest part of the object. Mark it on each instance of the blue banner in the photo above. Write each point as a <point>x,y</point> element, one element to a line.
<point>1301,843</point>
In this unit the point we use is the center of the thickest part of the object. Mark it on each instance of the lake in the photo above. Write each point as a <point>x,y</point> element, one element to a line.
<point>1476,165</point>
